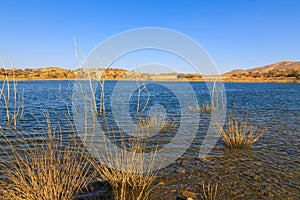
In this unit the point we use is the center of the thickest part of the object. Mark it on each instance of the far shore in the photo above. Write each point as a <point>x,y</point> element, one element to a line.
<point>289,72</point>
<point>222,79</point>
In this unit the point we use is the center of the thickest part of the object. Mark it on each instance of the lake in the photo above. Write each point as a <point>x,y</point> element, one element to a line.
<point>269,170</point>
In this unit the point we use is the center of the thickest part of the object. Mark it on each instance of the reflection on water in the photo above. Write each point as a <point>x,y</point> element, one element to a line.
<point>270,170</point>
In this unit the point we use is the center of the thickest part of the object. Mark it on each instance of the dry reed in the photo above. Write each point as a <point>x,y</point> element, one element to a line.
<point>122,161</point>
<point>155,123</point>
<point>240,133</point>
<point>45,168</point>
<point>128,171</point>
<point>12,100</point>
<point>205,108</point>
<point>209,192</point>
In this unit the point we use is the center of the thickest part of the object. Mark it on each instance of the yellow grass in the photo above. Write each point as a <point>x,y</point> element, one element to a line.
<point>239,133</point>
<point>209,192</point>
<point>43,168</point>
<point>155,123</point>
<point>205,108</point>
<point>128,172</point>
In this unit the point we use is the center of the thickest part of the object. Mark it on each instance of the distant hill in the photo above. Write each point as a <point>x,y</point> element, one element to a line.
<point>282,72</point>
<point>283,66</point>
<point>285,72</point>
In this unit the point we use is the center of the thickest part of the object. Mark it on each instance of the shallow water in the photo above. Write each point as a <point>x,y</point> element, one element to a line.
<point>269,170</point>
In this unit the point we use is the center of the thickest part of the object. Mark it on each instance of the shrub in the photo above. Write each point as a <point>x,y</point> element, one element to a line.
<point>239,133</point>
<point>42,168</point>
<point>128,172</point>
<point>293,73</point>
<point>154,124</point>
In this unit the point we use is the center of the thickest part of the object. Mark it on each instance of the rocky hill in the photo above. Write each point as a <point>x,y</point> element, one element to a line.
<point>285,71</point>
<point>276,67</point>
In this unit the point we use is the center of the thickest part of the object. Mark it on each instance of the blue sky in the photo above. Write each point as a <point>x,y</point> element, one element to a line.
<point>236,34</point>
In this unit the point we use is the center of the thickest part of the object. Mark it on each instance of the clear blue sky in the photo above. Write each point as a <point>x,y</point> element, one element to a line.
<point>236,34</point>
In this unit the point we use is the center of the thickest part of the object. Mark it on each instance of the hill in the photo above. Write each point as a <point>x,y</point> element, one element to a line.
<point>285,71</point>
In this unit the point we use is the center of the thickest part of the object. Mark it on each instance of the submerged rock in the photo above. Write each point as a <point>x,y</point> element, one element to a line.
<point>189,194</point>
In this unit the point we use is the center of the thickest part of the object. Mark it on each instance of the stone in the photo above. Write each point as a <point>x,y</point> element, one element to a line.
<point>181,171</point>
<point>189,194</point>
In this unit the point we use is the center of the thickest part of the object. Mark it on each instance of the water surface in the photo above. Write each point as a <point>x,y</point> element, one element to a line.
<point>269,170</point>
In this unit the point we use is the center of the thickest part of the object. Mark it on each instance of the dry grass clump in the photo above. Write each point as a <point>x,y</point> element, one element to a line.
<point>239,133</point>
<point>128,171</point>
<point>44,168</point>
<point>218,99</point>
<point>155,123</point>
<point>205,108</point>
<point>209,192</point>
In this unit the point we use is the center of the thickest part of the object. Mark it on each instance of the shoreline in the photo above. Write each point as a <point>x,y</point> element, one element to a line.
<point>171,80</point>
<point>282,72</point>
